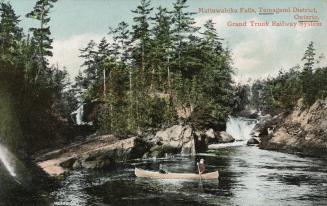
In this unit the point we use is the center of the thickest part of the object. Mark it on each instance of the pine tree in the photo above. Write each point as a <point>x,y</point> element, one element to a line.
<point>211,37</point>
<point>141,34</point>
<point>41,35</point>
<point>79,85</point>
<point>89,53</point>
<point>123,48</point>
<point>102,56</point>
<point>161,47</point>
<point>309,57</point>
<point>10,34</point>
<point>309,88</point>
<point>183,26</point>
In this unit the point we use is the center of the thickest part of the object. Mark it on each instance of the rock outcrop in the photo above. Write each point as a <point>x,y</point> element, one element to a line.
<point>175,139</point>
<point>184,139</point>
<point>102,152</point>
<point>301,131</point>
<point>224,137</point>
<point>95,153</point>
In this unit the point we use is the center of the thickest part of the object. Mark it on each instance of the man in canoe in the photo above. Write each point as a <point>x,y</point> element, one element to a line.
<point>201,167</point>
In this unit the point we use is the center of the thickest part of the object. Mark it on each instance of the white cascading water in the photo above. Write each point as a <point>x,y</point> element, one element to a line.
<point>79,115</point>
<point>7,161</point>
<point>240,128</point>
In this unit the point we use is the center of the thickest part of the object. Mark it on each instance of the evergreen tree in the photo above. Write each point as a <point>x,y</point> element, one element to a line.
<point>309,88</point>
<point>89,53</point>
<point>79,86</point>
<point>147,80</point>
<point>41,36</point>
<point>10,34</point>
<point>161,49</point>
<point>141,33</point>
<point>183,26</point>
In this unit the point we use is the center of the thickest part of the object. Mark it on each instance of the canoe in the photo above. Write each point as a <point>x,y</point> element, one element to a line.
<point>187,176</point>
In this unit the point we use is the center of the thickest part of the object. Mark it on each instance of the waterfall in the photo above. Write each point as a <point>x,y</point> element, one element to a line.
<point>240,127</point>
<point>7,160</point>
<point>78,115</point>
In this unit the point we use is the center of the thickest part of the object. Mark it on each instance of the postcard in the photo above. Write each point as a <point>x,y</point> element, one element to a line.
<point>153,102</point>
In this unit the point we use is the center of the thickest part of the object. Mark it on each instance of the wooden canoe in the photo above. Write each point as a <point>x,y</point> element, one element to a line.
<point>188,176</point>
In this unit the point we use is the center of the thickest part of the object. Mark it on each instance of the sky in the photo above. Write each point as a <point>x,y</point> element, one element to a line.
<point>257,51</point>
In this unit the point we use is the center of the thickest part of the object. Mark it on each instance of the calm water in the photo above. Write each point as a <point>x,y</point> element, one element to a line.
<point>248,176</point>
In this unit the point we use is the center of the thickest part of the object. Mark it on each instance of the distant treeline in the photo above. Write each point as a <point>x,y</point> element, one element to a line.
<point>281,93</point>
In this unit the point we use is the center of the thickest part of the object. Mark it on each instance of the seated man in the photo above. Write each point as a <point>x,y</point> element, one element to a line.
<point>201,166</point>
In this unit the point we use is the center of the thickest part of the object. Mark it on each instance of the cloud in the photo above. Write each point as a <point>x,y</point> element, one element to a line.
<point>66,51</point>
<point>256,51</point>
<point>263,51</point>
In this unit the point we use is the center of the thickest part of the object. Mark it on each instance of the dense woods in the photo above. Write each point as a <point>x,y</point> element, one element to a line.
<point>157,68</point>
<point>38,93</point>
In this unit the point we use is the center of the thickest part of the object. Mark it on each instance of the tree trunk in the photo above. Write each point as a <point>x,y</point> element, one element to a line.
<point>104,83</point>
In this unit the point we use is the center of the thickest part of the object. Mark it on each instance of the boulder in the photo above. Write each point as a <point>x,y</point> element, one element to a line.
<point>211,137</point>
<point>252,141</point>
<point>210,134</point>
<point>180,137</point>
<point>224,137</point>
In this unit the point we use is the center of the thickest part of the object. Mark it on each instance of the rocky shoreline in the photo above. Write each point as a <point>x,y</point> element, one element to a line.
<point>104,151</point>
<point>302,131</point>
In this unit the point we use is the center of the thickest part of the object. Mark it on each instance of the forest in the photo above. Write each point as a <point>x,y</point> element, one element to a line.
<point>156,72</point>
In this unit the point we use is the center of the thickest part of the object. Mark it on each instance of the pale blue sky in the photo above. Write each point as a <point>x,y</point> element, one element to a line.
<point>257,52</point>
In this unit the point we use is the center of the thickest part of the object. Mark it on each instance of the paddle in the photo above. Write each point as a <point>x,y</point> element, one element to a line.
<point>199,172</point>
<point>200,185</point>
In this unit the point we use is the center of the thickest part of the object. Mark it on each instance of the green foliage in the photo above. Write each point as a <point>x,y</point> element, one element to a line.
<point>10,33</point>
<point>41,39</point>
<point>163,64</point>
<point>282,92</point>
<point>10,131</point>
<point>38,98</point>
<point>240,100</point>
<point>277,94</point>
<point>309,87</point>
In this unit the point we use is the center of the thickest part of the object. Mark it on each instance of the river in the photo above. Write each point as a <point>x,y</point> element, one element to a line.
<point>248,176</point>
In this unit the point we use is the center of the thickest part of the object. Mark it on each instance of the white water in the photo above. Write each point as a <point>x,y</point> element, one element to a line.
<point>240,128</point>
<point>7,161</point>
<point>79,115</point>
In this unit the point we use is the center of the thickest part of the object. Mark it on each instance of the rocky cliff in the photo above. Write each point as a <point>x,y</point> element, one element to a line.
<point>303,131</point>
